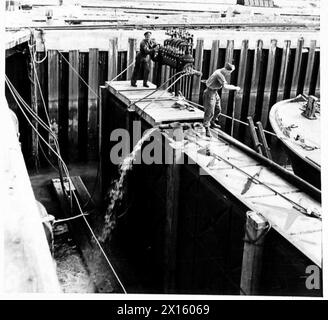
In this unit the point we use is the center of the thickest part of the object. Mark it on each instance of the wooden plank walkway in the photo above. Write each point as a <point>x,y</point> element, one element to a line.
<point>157,108</point>
<point>301,231</point>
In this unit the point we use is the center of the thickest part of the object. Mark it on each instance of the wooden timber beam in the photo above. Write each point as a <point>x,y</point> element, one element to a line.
<point>73,101</point>
<point>172,210</point>
<point>255,230</point>
<point>53,95</point>
<point>225,93</point>
<point>112,58</point>
<point>93,104</point>
<point>268,88</point>
<point>198,66</point>
<point>238,101</point>
<point>132,48</point>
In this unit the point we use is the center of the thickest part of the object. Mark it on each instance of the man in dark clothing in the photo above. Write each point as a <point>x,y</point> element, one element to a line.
<point>142,65</point>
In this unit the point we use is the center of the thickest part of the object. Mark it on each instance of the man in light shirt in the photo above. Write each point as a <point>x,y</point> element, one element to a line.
<point>211,98</point>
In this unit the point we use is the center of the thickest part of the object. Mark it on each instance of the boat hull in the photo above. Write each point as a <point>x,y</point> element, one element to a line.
<point>303,170</point>
<point>300,137</point>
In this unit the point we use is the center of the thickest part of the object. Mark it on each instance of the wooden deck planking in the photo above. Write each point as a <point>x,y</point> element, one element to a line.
<point>302,231</point>
<point>116,86</point>
<point>129,97</point>
<point>261,201</point>
<point>162,111</point>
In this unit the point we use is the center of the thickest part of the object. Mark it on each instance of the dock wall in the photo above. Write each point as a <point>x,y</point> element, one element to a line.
<point>266,70</point>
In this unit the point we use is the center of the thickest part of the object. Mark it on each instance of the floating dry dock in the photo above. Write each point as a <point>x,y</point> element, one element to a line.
<point>191,216</point>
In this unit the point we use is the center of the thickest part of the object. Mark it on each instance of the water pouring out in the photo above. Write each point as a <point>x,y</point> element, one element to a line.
<point>116,192</point>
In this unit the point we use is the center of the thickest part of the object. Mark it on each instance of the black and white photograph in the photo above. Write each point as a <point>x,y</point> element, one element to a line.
<point>162,150</point>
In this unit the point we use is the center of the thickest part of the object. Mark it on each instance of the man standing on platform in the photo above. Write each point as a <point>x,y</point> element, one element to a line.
<point>211,98</point>
<point>142,65</point>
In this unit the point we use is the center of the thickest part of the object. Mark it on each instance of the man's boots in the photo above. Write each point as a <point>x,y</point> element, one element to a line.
<point>208,132</point>
<point>215,126</point>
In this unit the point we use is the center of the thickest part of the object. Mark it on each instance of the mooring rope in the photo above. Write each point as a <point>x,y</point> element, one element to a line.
<point>44,44</point>
<point>19,100</point>
<point>77,73</point>
<point>21,103</point>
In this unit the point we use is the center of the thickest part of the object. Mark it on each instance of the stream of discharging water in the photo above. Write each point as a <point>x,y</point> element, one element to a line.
<point>116,192</point>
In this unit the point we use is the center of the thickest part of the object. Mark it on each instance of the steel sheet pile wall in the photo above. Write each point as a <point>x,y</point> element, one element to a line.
<point>70,83</point>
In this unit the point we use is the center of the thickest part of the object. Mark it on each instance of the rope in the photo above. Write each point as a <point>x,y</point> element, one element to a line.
<point>77,73</point>
<point>99,245</point>
<point>226,116</point>
<point>152,92</point>
<point>32,54</point>
<point>131,64</point>
<point>39,86</point>
<point>156,98</point>
<point>45,50</point>
<point>19,99</point>
<point>70,218</point>
<point>9,84</point>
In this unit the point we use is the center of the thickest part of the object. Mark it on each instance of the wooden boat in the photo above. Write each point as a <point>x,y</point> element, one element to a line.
<point>297,124</point>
